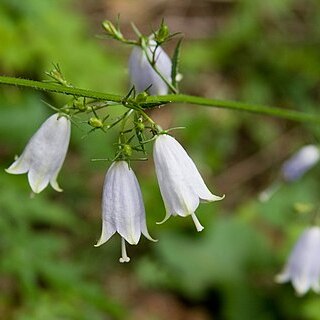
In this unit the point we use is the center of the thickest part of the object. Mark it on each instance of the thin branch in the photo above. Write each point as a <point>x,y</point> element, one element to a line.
<point>52,87</point>
<point>239,106</point>
<point>157,100</point>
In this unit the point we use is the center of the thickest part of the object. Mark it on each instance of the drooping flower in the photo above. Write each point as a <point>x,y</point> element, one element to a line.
<point>303,266</point>
<point>302,161</point>
<point>122,207</point>
<point>142,75</point>
<point>44,154</point>
<point>181,186</point>
<point>293,169</point>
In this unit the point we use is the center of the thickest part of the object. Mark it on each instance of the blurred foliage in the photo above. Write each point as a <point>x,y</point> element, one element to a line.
<point>52,32</point>
<point>266,52</point>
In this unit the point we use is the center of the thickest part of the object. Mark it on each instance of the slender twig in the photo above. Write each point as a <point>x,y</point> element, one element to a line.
<point>235,105</point>
<point>52,87</point>
<point>152,62</point>
<point>173,98</point>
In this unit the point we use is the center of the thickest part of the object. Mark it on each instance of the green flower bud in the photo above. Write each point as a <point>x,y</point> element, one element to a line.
<point>140,126</point>
<point>79,105</point>
<point>303,207</point>
<point>95,122</point>
<point>108,26</point>
<point>127,150</point>
<point>57,75</point>
<point>112,30</point>
<point>162,33</point>
<point>141,97</point>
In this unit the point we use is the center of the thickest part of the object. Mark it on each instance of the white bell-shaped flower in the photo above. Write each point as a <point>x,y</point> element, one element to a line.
<point>293,169</point>
<point>142,75</point>
<point>303,266</point>
<point>122,207</point>
<point>44,154</point>
<point>180,183</point>
<point>302,161</point>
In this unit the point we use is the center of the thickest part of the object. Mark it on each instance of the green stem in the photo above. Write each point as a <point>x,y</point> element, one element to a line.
<point>239,106</point>
<point>53,87</point>
<point>154,67</point>
<point>177,98</point>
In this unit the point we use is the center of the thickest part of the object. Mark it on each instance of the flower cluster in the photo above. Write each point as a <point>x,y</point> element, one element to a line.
<point>123,210</point>
<point>181,185</point>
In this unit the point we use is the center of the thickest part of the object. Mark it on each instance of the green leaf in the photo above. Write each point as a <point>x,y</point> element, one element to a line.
<point>176,63</point>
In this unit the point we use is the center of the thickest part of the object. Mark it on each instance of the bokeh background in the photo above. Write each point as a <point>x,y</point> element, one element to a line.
<point>254,51</point>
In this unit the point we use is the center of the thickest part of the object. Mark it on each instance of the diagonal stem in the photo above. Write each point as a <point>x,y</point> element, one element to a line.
<point>53,87</point>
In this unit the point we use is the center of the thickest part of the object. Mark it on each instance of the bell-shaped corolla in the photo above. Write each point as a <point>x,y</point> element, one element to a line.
<point>44,154</point>
<point>181,185</point>
<point>122,207</point>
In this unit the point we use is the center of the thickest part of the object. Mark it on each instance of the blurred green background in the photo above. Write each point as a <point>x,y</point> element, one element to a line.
<point>254,51</point>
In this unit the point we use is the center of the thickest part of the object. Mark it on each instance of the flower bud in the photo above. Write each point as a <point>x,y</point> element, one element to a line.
<point>142,97</point>
<point>127,150</point>
<point>140,126</point>
<point>79,105</point>
<point>162,34</point>
<point>95,122</point>
<point>112,30</point>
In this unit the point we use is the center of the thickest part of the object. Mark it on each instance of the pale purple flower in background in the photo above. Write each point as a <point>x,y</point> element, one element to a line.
<point>122,207</point>
<point>303,266</point>
<point>142,75</point>
<point>302,161</point>
<point>180,183</point>
<point>44,154</point>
